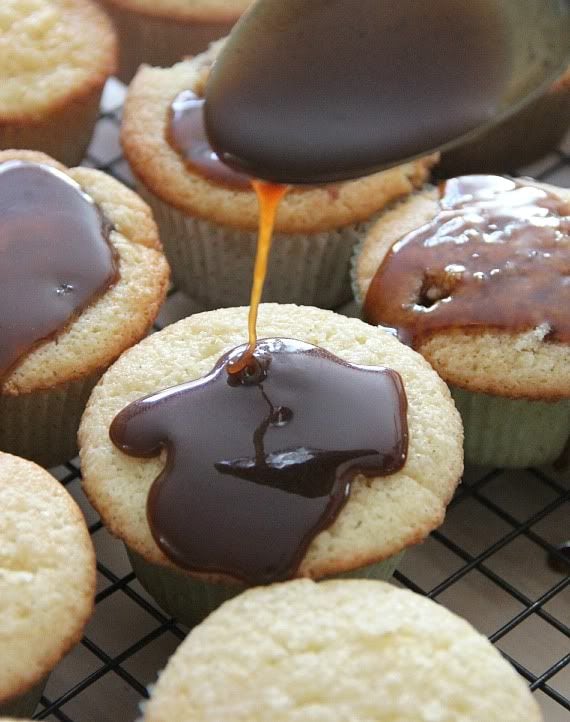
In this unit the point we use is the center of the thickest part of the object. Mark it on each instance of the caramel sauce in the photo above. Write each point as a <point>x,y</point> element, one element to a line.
<point>187,135</point>
<point>55,256</point>
<point>496,255</point>
<point>258,463</point>
<point>269,196</point>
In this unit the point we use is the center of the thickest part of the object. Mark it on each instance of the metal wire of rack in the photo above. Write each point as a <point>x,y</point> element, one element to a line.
<point>488,562</point>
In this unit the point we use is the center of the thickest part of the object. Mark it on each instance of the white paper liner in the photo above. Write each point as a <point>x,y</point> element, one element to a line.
<point>190,600</point>
<point>63,134</point>
<point>512,433</point>
<point>42,426</point>
<point>214,264</point>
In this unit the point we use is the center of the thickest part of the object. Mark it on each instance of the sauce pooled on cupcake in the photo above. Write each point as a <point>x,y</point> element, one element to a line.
<point>55,254</point>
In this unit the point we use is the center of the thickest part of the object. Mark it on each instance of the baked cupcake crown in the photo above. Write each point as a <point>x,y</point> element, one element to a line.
<point>382,516</point>
<point>350,650</point>
<point>123,313</point>
<point>47,574</point>
<point>515,363</point>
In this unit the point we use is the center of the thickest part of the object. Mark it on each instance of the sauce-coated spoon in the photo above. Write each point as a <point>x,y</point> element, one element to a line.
<point>314,91</point>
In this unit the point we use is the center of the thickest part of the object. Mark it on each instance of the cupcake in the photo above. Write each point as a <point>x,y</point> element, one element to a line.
<point>519,140</point>
<point>161,32</point>
<point>77,288</point>
<point>477,278</point>
<point>341,650</point>
<point>369,529</point>
<point>208,214</point>
<point>47,581</point>
<point>52,74</point>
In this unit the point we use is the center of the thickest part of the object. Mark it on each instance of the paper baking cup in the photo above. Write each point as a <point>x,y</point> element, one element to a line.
<point>63,134</point>
<point>214,264</point>
<point>42,426</point>
<point>158,41</point>
<point>24,705</point>
<point>190,600</point>
<point>512,433</point>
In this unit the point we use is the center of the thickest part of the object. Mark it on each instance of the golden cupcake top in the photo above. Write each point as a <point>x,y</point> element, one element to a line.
<point>48,54</point>
<point>192,10</point>
<point>490,257</point>
<point>93,335</point>
<point>383,514</point>
<point>350,650</point>
<point>162,169</point>
<point>47,574</point>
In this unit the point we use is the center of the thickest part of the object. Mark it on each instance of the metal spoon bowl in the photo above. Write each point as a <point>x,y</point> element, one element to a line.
<point>316,91</point>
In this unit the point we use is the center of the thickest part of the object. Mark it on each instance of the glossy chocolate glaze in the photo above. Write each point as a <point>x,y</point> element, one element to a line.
<point>496,255</point>
<point>187,135</point>
<point>258,463</point>
<point>314,92</point>
<point>55,256</point>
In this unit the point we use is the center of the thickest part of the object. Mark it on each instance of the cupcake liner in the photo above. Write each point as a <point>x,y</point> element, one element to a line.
<point>24,705</point>
<point>64,134</point>
<point>512,433</point>
<point>190,600</point>
<point>214,264</point>
<point>42,425</point>
<point>159,41</point>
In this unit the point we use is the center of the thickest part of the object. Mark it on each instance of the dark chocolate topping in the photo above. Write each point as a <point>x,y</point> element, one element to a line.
<point>55,256</point>
<point>258,463</point>
<point>496,255</point>
<point>187,135</point>
<point>313,92</point>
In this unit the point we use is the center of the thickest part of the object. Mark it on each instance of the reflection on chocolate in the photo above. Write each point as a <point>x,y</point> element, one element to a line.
<point>497,255</point>
<point>258,463</point>
<point>186,134</point>
<point>55,256</point>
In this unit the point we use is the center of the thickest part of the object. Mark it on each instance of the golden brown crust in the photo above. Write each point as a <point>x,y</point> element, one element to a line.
<point>89,80</point>
<point>119,318</point>
<point>304,210</point>
<point>486,360</point>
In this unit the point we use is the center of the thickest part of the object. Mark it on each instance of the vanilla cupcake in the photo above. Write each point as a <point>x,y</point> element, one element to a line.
<point>208,214</point>
<point>343,650</point>
<point>382,515</point>
<point>55,56</point>
<point>77,288</point>
<point>161,32</point>
<point>478,279</point>
<point>519,140</point>
<point>47,580</point>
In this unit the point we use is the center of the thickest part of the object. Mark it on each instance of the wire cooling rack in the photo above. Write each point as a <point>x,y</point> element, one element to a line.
<point>488,562</point>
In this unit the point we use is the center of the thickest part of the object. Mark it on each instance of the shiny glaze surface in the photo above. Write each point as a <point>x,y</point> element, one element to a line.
<point>496,255</point>
<point>187,135</point>
<point>55,256</point>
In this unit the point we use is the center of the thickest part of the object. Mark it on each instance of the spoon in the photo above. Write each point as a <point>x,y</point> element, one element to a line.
<point>317,91</point>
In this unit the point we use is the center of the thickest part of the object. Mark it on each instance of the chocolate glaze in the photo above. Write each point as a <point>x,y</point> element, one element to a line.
<point>313,92</point>
<point>187,135</point>
<point>55,256</point>
<point>258,463</point>
<point>496,255</point>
